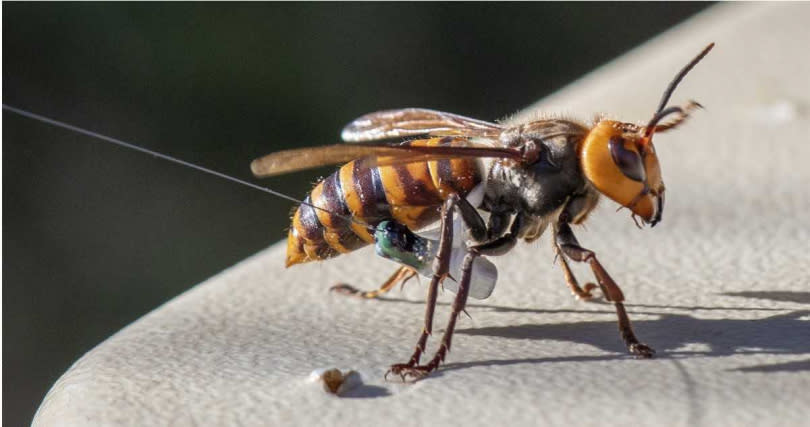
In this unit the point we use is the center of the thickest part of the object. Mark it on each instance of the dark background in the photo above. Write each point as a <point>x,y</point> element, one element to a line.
<point>95,236</point>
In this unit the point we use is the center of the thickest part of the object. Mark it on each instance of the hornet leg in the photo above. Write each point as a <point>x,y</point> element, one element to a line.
<point>402,275</point>
<point>494,247</point>
<point>503,244</point>
<point>418,371</point>
<point>567,243</point>
<point>571,280</point>
<point>441,268</point>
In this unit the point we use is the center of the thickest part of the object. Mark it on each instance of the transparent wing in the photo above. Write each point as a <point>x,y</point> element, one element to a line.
<point>416,121</point>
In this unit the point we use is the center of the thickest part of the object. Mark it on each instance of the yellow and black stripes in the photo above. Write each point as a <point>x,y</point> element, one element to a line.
<point>409,193</point>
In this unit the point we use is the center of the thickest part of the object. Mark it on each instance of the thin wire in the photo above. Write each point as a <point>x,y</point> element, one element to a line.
<point>134,147</point>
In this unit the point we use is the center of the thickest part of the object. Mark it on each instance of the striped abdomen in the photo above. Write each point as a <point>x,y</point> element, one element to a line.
<point>410,194</point>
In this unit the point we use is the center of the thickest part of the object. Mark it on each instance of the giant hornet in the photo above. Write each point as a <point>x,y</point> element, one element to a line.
<point>523,178</point>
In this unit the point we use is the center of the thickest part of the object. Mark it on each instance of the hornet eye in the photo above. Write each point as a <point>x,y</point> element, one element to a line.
<point>628,161</point>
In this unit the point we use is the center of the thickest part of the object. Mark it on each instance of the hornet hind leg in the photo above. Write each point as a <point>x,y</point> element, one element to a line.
<point>402,275</point>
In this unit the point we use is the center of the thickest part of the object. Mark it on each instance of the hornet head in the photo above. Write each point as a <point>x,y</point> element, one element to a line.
<point>619,159</point>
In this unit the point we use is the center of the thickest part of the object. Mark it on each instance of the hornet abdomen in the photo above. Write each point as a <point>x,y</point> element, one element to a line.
<point>409,193</point>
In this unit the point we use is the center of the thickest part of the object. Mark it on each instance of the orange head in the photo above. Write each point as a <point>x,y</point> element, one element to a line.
<point>621,163</point>
<point>619,159</point>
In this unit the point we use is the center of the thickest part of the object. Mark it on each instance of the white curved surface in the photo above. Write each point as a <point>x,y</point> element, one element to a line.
<point>720,288</point>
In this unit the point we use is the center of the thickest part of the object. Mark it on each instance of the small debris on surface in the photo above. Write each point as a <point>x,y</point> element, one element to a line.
<point>336,382</point>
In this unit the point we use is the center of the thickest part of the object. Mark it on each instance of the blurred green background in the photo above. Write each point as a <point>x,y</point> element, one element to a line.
<point>95,236</point>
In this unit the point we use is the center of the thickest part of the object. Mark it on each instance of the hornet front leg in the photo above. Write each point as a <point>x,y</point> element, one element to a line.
<point>567,243</point>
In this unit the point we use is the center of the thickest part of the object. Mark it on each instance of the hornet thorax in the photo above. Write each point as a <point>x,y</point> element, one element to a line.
<point>541,185</point>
